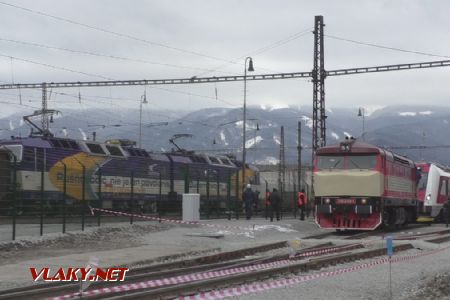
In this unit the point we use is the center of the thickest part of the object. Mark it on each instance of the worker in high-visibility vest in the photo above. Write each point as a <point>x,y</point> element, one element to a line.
<point>302,202</point>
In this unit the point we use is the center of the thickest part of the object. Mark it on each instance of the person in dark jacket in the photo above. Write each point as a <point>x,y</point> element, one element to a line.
<point>275,204</point>
<point>248,198</point>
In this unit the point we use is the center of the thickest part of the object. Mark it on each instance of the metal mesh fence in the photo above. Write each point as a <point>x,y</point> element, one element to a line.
<point>56,195</point>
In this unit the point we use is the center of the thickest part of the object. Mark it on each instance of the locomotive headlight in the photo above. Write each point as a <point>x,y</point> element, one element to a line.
<point>363,201</point>
<point>428,197</point>
<point>327,200</point>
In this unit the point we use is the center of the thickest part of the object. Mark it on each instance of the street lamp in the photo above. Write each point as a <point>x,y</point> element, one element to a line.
<point>362,113</point>
<point>250,69</point>
<point>143,101</point>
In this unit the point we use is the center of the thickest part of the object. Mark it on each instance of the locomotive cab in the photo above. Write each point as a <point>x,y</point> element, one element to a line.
<point>358,186</point>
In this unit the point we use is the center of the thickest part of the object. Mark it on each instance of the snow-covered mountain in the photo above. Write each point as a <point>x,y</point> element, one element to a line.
<point>220,129</point>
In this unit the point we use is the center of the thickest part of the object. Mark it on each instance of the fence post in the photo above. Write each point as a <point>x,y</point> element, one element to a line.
<point>100,198</point>
<point>64,197</point>
<point>14,197</point>
<point>229,195</point>
<point>186,180</point>
<point>217,206</point>
<point>295,201</point>
<point>83,197</point>
<point>132,198</point>
<point>236,201</point>
<point>208,205</point>
<point>41,223</point>
<point>160,196</point>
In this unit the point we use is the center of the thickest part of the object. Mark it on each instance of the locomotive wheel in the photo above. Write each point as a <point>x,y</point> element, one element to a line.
<point>387,219</point>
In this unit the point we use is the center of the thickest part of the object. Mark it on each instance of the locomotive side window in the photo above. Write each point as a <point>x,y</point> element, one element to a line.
<point>74,145</point>
<point>114,150</point>
<point>65,144</point>
<point>361,162</point>
<point>95,148</point>
<point>330,162</point>
<point>214,160</point>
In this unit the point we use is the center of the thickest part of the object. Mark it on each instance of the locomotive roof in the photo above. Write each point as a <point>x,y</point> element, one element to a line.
<point>355,147</point>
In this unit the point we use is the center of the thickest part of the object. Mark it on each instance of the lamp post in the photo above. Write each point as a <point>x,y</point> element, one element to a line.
<point>250,69</point>
<point>362,113</point>
<point>143,101</point>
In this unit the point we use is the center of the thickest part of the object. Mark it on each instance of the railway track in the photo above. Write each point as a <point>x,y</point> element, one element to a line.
<point>356,234</point>
<point>173,291</point>
<point>219,260</point>
<point>229,269</point>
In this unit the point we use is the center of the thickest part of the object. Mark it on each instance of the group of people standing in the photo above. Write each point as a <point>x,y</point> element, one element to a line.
<point>273,203</point>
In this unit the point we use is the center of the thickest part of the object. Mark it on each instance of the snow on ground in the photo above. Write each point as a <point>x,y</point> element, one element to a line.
<point>370,109</point>
<point>222,137</point>
<point>407,114</point>
<point>347,134</point>
<point>308,121</point>
<point>335,135</point>
<point>252,142</point>
<point>427,112</point>
<point>248,126</point>
<point>276,139</point>
<point>278,106</point>
<point>269,160</point>
<point>83,134</point>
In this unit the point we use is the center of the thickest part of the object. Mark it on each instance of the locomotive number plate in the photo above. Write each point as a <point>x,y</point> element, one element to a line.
<point>345,201</point>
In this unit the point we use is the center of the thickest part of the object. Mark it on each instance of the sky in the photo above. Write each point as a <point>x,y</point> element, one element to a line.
<point>160,39</point>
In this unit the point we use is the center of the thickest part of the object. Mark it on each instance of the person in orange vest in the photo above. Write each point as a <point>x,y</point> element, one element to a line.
<point>302,202</point>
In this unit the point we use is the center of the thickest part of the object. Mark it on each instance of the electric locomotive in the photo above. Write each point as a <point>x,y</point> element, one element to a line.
<point>46,170</point>
<point>433,191</point>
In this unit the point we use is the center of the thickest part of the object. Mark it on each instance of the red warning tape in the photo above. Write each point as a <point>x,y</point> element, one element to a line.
<point>274,284</point>
<point>168,220</point>
<point>197,276</point>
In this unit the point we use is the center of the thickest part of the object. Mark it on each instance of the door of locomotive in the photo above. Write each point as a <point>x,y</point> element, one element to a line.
<point>444,190</point>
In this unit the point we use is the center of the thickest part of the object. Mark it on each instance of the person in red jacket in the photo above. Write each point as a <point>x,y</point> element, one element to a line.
<point>302,202</point>
<point>267,203</point>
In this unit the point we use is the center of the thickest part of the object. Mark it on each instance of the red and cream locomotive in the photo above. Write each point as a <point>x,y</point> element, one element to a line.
<point>359,186</point>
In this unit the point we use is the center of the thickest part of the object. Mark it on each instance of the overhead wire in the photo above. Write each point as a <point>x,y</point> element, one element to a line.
<point>107,56</point>
<point>55,67</point>
<point>123,35</point>
<point>384,47</point>
<point>264,49</point>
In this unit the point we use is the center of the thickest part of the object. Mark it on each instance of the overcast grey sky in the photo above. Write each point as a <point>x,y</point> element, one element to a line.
<point>220,32</point>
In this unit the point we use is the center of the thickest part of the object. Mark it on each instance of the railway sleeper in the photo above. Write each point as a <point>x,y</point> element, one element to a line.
<point>206,285</point>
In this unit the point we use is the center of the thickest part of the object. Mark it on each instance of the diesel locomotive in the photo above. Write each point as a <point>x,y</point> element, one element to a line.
<point>359,186</point>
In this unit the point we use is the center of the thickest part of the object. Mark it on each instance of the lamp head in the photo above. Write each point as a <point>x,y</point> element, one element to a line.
<point>360,112</point>
<point>250,65</point>
<point>144,98</point>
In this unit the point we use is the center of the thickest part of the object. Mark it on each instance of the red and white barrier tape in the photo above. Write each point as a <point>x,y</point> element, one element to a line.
<point>168,220</point>
<point>274,284</point>
<point>198,276</point>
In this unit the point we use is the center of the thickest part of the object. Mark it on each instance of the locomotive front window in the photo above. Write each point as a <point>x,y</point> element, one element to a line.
<point>361,162</point>
<point>330,162</point>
